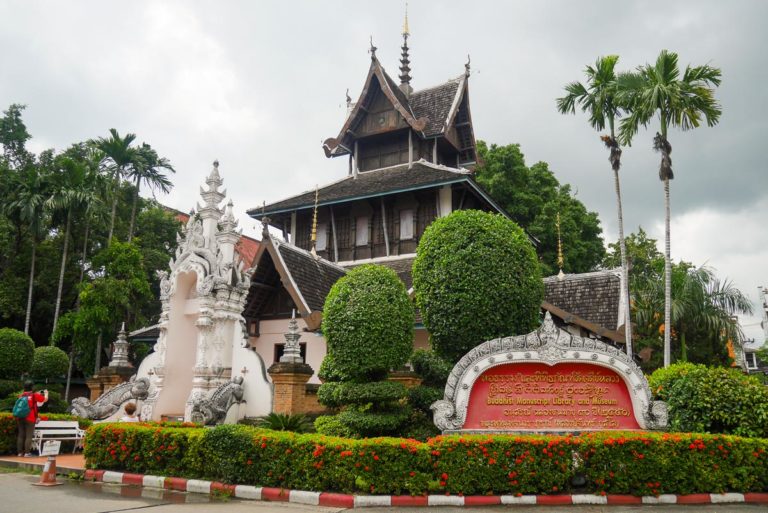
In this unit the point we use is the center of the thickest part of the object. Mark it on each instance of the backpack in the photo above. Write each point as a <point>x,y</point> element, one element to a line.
<point>21,407</point>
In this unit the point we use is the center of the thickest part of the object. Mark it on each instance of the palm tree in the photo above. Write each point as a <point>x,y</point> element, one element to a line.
<point>679,102</point>
<point>32,190</point>
<point>702,305</point>
<point>73,190</point>
<point>148,167</point>
<point>122,157</point>
<point>599,98</point>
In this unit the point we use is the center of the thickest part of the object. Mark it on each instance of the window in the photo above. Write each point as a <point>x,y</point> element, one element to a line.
<point>361,231</point>
<point>322,237</point>
<point>751,360</point>
<point>406,224</point>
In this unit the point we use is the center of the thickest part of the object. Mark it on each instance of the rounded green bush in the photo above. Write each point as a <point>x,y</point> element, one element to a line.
<point>16,353</point>
<point>476,278</point>
<point>368,323</point>
<point>422,397</point>
<point>49,362</point>
<point>712,400</point>
<point>338,394</point>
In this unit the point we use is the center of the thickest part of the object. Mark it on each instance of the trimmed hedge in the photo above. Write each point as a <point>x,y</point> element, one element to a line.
<point>8,428</point>
<point>613,462</point>
<point>712,399</point>
<point>340,394</point>
<point>49,362</point>
<point>476,277</point>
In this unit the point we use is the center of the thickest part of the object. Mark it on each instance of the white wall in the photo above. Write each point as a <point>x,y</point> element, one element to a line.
<point>273,332</point>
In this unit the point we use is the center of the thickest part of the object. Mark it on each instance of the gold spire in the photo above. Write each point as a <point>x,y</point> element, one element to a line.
<point>314,224</point>
<point>560,259</point>
<point>406,32</point>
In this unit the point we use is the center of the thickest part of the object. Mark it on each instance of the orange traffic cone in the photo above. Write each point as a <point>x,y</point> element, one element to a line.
<point>48,477</point>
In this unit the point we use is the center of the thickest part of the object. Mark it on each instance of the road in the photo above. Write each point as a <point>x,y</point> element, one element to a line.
<point>17,495</point>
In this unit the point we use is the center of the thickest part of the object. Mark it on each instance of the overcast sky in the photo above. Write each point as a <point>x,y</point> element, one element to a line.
<point>259,86</point>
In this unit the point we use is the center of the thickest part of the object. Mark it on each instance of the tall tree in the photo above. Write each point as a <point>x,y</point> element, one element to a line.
<point>74,189</point>
<point>599,99</point>
<point>120,157</point>
<point>148,168</point>
<point>533,196</point>
<point>659,91</point>
<point>29,204</point>
<point>14,136</point>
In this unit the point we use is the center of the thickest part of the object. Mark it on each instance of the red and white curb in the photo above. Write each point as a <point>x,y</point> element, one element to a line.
<point>163,487</point>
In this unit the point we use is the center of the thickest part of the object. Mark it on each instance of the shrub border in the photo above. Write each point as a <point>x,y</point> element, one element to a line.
<point>341,500</point>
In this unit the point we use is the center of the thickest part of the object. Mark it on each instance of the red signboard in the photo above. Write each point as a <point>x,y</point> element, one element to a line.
<point>539,397</point>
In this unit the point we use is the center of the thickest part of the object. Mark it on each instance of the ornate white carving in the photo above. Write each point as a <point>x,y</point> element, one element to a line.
<point>548,345</point>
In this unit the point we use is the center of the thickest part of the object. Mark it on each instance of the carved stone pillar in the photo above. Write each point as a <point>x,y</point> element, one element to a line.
<point>290,387</point>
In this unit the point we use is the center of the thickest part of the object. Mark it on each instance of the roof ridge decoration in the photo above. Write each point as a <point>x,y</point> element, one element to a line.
<point>405,69</point>
<point>548,345</point>
<point>583,276</point>
<point>386,84</point>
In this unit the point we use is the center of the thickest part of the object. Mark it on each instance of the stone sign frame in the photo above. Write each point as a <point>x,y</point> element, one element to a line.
<point>548,345</point>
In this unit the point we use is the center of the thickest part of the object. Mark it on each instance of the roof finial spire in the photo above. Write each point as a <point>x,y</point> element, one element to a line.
<point>372,49</point>
<point>405,69</point>
<point>466,66</point>
<point>560,259</point>
<point>313,235</point>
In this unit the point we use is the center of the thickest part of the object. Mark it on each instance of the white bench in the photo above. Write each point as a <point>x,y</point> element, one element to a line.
<point>58,430</point>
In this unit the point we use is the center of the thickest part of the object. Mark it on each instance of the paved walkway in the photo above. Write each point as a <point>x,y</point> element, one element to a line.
<point>65,463</point>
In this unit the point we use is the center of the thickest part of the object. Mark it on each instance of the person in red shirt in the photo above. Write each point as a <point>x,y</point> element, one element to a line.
<point>26,426</point>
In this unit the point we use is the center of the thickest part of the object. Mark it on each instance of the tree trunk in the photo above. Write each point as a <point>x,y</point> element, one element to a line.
<point>667,280</point>
<point>61,272</point>
<point>97,362</point>
<point>115,191</point>
<point>31,286</point>
<point>624,267</point>
<point>683,348</point>
<point>85,251</point>
<point>69,373</point>
<point>133,209</point>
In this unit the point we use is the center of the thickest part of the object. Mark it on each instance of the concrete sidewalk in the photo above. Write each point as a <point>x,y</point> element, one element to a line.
<point>65,463</point>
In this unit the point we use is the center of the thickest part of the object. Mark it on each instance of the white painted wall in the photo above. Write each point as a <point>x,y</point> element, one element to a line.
<point>181,348</point>
<point>273,332</point>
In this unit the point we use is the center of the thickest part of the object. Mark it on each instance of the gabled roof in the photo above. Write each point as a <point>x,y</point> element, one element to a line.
<point>336,146</point>
<point>592,300</point>
<point>307,279</point>
<point>375,183</point>
<point>436,103</point>
<point>428,111</point>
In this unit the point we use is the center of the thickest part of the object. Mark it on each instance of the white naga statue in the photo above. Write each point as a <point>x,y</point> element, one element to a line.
<point>202,356</point>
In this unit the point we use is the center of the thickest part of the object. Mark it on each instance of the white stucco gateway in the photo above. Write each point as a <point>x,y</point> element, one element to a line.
<point>202,367</point>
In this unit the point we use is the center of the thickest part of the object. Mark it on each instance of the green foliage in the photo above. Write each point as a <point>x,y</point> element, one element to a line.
<point>713,400</point>
<point>612,462</point>
<point>533,196</point>
<point>298,423</point>
<point>330,425</point>
<point>368,323</point>
<point>49,362</point>
<point>432,369</point>
<point>345,393</point>
<point>476,278</point>
<point>643,256</point>
<point>16,353</point>
<point>422,397</point>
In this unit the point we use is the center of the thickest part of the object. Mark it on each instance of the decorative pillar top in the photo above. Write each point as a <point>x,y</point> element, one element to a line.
<point>120,353</point>
<point>213,196</point>
<point>292,353</point>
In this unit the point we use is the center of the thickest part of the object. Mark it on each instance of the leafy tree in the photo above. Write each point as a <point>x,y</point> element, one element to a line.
<point>120,156</point>
<point>600,99</point>
<point>148,168</point>
<point>108,300</point>
<point>533,196</point>
<point>681,102</point>
<point>476,278</point>
<point>16,353</point>
<point>14,136</point>
<point>642,257</point>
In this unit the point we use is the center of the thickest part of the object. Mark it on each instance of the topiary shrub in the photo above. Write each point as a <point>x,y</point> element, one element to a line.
<point>712,399</point>
<point>433,372</point>
<point>49,362</point>
<point>16,353</point>
<point>476,277</point>
<point>368,325</point>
